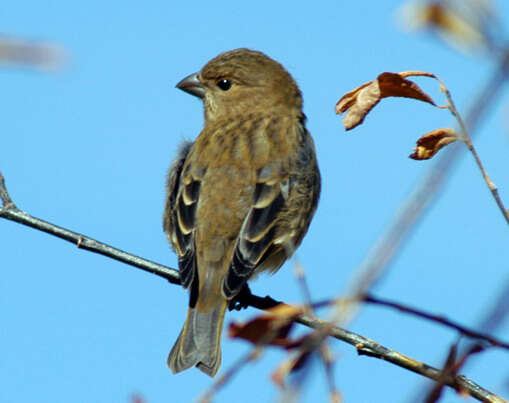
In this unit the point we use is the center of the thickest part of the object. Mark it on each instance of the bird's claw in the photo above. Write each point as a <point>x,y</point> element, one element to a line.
<point>241,300</point>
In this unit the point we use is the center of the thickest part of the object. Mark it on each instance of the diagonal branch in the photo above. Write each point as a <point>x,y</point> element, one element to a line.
<point>10,212</point>
<point>364,346</point>
<point>468,141</point>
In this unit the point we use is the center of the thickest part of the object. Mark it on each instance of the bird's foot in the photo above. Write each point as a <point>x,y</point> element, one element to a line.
<point>241,300</point>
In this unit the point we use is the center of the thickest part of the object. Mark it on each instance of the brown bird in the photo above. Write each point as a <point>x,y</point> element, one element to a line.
<point>240,198</point>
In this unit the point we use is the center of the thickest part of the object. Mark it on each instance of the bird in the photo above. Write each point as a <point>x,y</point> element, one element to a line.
<point>240,197</point>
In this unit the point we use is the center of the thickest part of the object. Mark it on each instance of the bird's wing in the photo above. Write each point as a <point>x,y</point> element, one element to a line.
<point>285,199</point>
<point>179,222</point>
<point>258,234</point>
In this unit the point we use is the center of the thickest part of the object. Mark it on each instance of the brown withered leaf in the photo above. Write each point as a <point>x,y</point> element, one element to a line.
<point>285,311</point>
<point>396,85</point>
<point>360,101</point>
<point>287,367</point>
<point>430,143</point>
<point>272,328</point>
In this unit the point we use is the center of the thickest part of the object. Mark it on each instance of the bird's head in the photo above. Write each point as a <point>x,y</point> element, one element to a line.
<point>243,81</point>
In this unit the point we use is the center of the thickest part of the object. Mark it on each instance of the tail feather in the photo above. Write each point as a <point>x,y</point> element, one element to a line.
<point>199,342</point>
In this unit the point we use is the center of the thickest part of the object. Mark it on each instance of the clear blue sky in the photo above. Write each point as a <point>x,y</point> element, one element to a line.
<point>88,148</point>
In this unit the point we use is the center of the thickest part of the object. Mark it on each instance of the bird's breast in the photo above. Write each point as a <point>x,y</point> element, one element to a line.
<point>230,157</point>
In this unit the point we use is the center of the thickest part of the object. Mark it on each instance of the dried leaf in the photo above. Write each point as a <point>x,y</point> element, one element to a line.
<point>360,101</point>
<point>271,328</point>
<point>285,311</point>
<point>429,144</point>
<point>396,85</point>
<point>261,331</point>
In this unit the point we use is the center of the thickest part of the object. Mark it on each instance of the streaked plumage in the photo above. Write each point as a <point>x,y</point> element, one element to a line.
<point>241,197</point>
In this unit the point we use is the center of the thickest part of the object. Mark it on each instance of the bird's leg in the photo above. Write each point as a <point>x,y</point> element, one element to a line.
<point>246,298</point>
<point>241,300</point>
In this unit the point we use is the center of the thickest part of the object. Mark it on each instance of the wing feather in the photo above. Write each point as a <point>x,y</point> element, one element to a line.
<point>284,200</point>
<point>179,218</point>
<point>257,235</point>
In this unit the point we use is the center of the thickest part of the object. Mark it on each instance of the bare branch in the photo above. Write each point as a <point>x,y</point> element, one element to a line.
<point>466,138</point>
<point>10,212</point>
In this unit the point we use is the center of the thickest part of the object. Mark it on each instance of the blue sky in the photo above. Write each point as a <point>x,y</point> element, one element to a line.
<point>88,148</point>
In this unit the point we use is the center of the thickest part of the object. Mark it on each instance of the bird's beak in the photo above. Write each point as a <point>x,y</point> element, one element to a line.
<point>192,85</point>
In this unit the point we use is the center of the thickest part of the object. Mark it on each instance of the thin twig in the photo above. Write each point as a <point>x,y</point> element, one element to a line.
<point>438,319</point>
<point>7,203</point>
<point>324,349</point>
<point>227,376</point>
<point>370,299</point>
<point>304,287</point>
<point>466,138</point>
<point>493,188</point>
<point>328,360</point>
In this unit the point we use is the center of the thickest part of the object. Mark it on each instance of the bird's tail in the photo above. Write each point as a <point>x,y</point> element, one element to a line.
<point>199,342</point>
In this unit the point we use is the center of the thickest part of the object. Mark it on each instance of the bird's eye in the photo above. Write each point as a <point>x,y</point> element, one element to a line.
<point>224,84</point>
